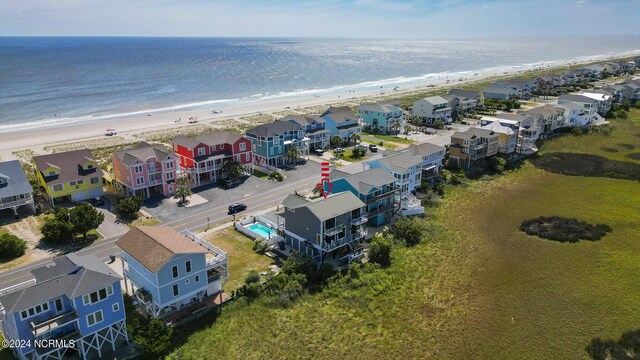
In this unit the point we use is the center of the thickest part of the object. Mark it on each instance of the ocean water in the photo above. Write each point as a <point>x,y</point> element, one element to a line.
<point>51,81</point>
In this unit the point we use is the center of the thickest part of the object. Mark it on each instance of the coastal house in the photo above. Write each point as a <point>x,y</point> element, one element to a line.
<point>529,126</point>
<point>473,145</point>
<point>548,118</point>
<point>631,91</point>
<point>499,93</point>
<point>613,68</point>
<point>202,157</point>
<point>545,82</point>
<point>616,91</point>
<point>432,109</point>
<point>341,121</point>
<point>72,175</point>
<point>603,100</point>
<point>463,102</point>
<point>315,130</point>
<point>145,169</point>
<point>270,143</point>
<point>595,71</point>
<point>471,95</point>
<point>521,87</point>
<point>382,117</point>
<point>626,67</point>
<point>321,227</point>
<point>375,188</point>
<point>432,159</point>
<point>569,77</point>
<point>69,299</point>
<point>407,169</point>
<point>507,137</point>
<point>15,190</point>
<point>581,110</point>
<point>169,271</point>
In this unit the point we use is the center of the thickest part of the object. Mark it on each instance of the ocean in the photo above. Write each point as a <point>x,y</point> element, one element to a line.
<point>60,80</point>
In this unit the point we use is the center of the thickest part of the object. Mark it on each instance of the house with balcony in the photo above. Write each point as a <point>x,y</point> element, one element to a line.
<point>407,169</point>
<point>472,146</point>
<point>594,71</point>
<point>499,93</point>
<point>631,92</point>
<point>321,227</point>
<point>382,117</point>
<point>15,190</point>
<point>548,118</point>
<point>431,109</point>
<point>69,299</point>
<point>432,159</point>
<point>616,91</point>
<point>603,100</point>
<point>170,271</point>
<point>507,138</point>
<point>520,87</point>
<point>201,157</point>
<point>528,127</point>
<point>341,121</point>
<point>580,110</point>
<point>463,102</point>
<point>71,175</point>
<point>145,169</point>
<point>314,128</point>
<point>270,142</point>
<point>375,188</point>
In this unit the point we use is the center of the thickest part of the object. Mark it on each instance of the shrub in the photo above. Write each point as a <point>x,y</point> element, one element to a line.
<point>260,246</point>
<point>55,231</point>
<point>410,231</point>
<point>358,152</point>
<point>129,206</point>
<point>275,175</point>
<point>154,338</point>
<point>11,247</point>
<point>496,164</point>
<point>637,105</point>
<point>252,277</point>
<point>85,218</point>
<point>380,250</point>
<point>563,229</point>
<point>252,290</point>
<point>577,131</point>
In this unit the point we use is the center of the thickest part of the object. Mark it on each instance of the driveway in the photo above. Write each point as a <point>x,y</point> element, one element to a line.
<point>111,226</point>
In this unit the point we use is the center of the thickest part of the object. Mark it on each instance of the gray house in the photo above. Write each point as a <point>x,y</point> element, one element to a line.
<point>15,189</point>
<point>320,227</point>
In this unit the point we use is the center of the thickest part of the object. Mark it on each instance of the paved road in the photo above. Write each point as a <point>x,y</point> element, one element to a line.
<point>193,221</point>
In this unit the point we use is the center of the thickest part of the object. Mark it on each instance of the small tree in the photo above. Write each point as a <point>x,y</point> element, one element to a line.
<point>231,170</point>
<point>408,230</point>
<point>85,218</point>
<point>336,141</point>
<point>396,127</point>
<point>354,138</point>
<point>497,164</point>
<point>182,190</point>
<point>380,250</point>
<point>129,206</point>
<point>11,247</point>
<point>154,338</point>
<point>252,277</point>
<point>56,231</point>
<point>438,124</point>
<point>292,155</point>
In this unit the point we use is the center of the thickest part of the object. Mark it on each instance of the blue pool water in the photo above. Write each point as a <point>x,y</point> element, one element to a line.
<point>261,230</point>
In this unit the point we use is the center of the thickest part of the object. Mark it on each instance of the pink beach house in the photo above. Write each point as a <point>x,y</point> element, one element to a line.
<point>148,169</point>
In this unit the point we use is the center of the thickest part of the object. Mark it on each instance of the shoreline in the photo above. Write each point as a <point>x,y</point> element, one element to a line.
<point>128,126</point>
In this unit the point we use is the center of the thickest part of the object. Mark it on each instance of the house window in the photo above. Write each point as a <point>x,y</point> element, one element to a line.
<point>73,183</point>
<point>80,182</point>
<point>57,187</point>
<point>170,176</point>
<point>176,290</point>
<point>97,296</point>
<point>200,151</point>
<point>246,157</point>
<point>137,169</point>
<point>174,271</point>
<point>187,266</point>
<point>243,146</point>
<point>52,173</point>
<point>94,318</point>
<point>170,165</point>
<point>197,279</point>
<point>58,304</point>
<point>139,180</point>
<point>95,180</point>
<point>186,281</point>
<point>115,307</point>
<point>38,309</point>
<point>90,166</point>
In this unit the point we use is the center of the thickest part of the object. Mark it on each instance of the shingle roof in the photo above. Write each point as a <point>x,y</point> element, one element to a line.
<point>425,148</point>
<point>154,246</point>
<point>71,275</point>
<point>340,114</point>
<point>274,128</point>
<point>495,90</point>
<point>435,100</point>
<point>473,133</point>
<point>380,107</point>
<point>366,180</point>
<point>469,94</point>
<point>209,139</point>
<point>142,152</point>
<point>545,110</point>
<point>323,209</point>
<point>69,163</point>
<point>497,127</point>
<point>400,162</point>
<point>303,120</point>
<point>15,182</point>
<point>576,98</point>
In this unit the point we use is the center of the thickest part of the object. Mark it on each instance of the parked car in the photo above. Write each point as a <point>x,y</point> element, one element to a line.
<point>99,201</point>
<point>373,148</point>
<point>228,183</point>
<point>236,208</point>
<point>338,150</point>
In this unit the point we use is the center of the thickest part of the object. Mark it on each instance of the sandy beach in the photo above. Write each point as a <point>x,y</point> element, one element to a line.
<point>128,127</point>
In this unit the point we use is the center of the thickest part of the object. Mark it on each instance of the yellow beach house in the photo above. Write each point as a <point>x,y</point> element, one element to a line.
<point>72,175</point>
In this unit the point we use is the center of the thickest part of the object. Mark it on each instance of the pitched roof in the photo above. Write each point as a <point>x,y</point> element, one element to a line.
<point>380,107</point>
<point>544,110</point>
<point>400,162</point>
<point>15,181</point>
<point>340,114</point>
<point>366,180</point>
<point>473,133</point>
<point>154,246</point>
<point>70,275</point>
<point>597,95</point>
<point>142,152</point>
<point>274,128</point>
<point>498,128</point>
<point>469,94</point>
<point>436,100</point>
<point>496,90</point>
<point>334,205</point>
<point>576,98</point>
<point>69,163</point>
<point>303,120</point>
<point>425,148</point>
<point>209,139</point>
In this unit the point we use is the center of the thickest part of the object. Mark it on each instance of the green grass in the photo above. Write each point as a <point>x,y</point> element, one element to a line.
<point>348,155</point>
<point>260,174</point>
<point>625,140</point>
<point>391,138</point>
<point>3,231</point>
<point>242,258</point>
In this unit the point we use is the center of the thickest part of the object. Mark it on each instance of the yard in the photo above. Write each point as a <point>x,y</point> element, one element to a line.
<point>375,138</point>
<point>242,258</point>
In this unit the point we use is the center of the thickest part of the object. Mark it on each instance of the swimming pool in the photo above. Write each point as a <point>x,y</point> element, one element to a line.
<point>261,230</point>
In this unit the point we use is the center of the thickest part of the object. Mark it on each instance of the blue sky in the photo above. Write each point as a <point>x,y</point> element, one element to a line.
<point>331,18</point>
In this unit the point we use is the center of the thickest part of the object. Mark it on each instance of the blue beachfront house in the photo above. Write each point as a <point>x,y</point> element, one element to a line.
<point>341,121</point>
<point>169,271</point>
<point>375,188</point>
<point>271,141</point>
<point>381,117</point>
<point>314,127</point>
<point>406,168</point>
<point>74,300</point>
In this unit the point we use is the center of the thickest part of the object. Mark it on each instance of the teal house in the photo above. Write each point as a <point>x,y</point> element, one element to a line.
<point>375,188</point>
<point>381,117</point>
<point>270,142</point>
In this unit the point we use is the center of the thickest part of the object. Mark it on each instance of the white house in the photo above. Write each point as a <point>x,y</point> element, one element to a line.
<point>431,109</point>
